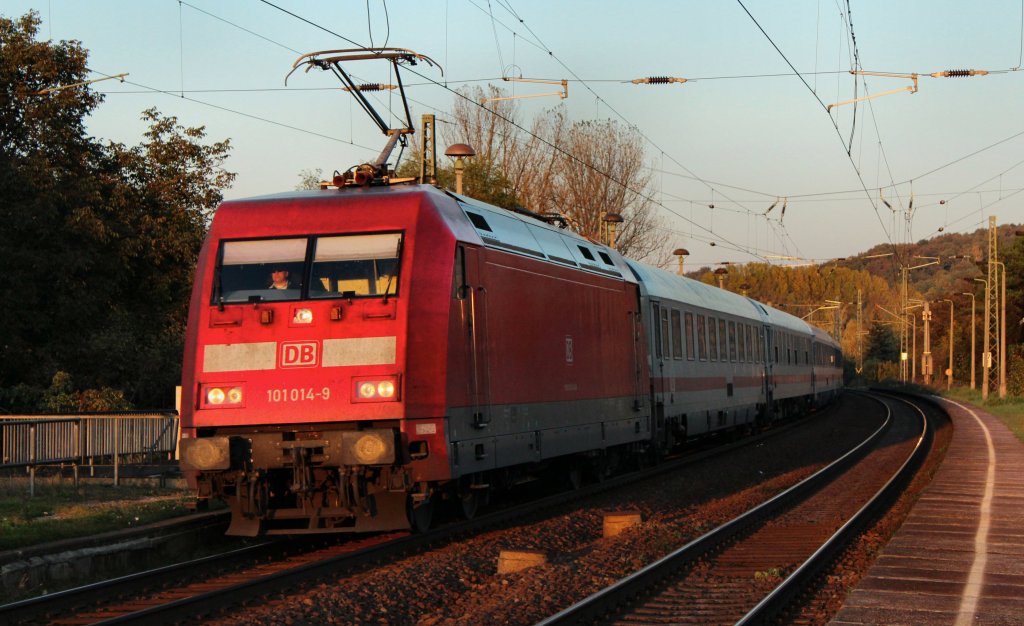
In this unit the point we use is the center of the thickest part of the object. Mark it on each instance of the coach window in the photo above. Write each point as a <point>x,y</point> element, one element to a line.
<point>740,346</point>
<point>750,346</point>
<point>723,345</point>
<point>713,338</point>
<point>732,341</point>
<point>688,317</point>
<point>702,343</point>
<point>260,270</point>
<point>355,265</point>
<point>666,334</point>
<point>655,323</point>
<point>677,336</point>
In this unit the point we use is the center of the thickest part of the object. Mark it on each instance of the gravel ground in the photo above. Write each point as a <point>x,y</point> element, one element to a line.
<point>458,583</point>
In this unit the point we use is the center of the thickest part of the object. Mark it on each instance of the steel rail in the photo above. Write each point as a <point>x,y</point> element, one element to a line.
<point>598,605</point>
<point>775,602</point>
<point>30,609</point>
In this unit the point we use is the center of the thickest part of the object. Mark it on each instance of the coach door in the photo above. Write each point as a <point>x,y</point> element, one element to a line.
<point>474,315</point>
<point>659,348</point>
<point>769,360</point>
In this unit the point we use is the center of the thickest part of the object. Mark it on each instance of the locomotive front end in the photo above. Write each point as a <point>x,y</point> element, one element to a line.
<point>297,406</point>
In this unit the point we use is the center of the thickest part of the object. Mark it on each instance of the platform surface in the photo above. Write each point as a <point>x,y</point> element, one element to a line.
<point>959,556</point>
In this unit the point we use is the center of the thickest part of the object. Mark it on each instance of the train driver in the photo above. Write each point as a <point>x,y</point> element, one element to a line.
<point>279,279</point>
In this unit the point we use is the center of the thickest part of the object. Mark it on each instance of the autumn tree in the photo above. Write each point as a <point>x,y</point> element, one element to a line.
<point>99,240</point>
<point>309,179</point>
<point>581,170</point>
<point>604,173</point>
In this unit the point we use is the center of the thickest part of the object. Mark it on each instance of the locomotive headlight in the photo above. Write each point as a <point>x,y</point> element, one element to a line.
<point>227,396</point>
<point>378,389</point>
<point>302,316</point>
<point>215,396</point>
<point>386,389</point>
<point>367,390</point>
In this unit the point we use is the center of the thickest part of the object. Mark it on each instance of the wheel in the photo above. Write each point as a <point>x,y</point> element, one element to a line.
<point>421,516</point>
<point>469,503</point>
<point>599,468</point>
<point>574,477</point>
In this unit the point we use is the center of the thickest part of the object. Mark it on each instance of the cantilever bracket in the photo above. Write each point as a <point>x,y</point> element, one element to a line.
<point>563,94</point>
<point>910,88</point>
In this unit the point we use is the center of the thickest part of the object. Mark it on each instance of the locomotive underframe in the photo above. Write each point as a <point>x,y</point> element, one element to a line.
<point>297,482</point>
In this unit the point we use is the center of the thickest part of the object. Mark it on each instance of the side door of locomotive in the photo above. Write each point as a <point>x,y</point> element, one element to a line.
<point>473,298</point>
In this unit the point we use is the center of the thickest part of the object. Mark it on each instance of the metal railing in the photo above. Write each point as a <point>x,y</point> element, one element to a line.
<point>77,440</point>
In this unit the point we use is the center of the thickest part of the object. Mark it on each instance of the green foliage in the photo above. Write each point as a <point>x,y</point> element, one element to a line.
<point>61,511</point>
<point>102,238</point>
<point>61,397</point>
<point>882,344</point>
<point>482,179</point>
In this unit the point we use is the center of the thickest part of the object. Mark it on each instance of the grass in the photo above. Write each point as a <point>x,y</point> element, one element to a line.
<point>1009,410</point>
<point>59,510</point>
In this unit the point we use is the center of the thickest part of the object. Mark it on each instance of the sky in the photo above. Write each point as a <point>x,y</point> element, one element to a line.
<point>750,128</point>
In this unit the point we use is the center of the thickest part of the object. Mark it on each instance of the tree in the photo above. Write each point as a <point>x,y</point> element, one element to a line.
<point>309,179</point>
<point>162,194</point>
<point>100,241</point>
<point>882,344</point>
<point>604,173</point>
<point>582,171</point>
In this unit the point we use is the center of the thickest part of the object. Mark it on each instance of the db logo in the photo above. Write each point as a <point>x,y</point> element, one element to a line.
<point>300,354</point>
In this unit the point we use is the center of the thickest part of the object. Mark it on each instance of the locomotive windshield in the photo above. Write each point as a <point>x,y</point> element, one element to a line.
<point>340,266</point>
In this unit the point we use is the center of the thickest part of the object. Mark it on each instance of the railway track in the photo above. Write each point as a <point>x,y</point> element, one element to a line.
<point>750,569</point>
<point>171,594</point>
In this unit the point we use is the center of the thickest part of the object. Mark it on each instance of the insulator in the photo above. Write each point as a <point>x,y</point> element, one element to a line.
<point>959,73</point>
<point>658,80</point>
<point>371,87</point>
